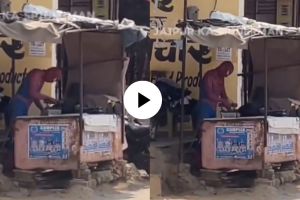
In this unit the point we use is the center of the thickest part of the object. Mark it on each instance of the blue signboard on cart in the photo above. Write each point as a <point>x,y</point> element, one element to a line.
<point>47,142</point>
<point>234,143</point>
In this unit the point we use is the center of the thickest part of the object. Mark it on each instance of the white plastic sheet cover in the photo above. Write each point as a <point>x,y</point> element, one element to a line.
<point>218,37</point>
<point>130,31</point>
<point>100,123</point>
<point>64,17</point>
<point>53,23</point>
<point>284,125</point>
<point>237,36</point>
<point>30,31</point>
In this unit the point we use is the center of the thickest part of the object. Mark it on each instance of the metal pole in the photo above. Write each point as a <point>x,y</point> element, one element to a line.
<point>81,98</point>
<point>122,103</point>
<point>266,78</point>
<point>248,76</point>
<point>184,41</point>
<point>13,71</point>
<point>62,60</point>
<point>200,92</point>
<point>266,92</point>
<point>81,82</point>
<point>246,60</point>
<point>117,8</point>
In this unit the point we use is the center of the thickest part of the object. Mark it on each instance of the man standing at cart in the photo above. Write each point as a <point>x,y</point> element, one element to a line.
<point>213,93</point>
<point>30,92</point>
<point>213,90</point>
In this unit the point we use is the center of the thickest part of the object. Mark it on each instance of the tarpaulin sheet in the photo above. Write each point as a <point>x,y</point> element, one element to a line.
<point>236,36</point>
<point>52,24</point>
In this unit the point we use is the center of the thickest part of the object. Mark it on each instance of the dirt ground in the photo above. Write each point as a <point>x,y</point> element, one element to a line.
<point>132,191</point>
<point>261,192</point>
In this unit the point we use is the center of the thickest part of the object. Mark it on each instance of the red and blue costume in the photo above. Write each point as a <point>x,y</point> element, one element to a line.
<point>30,92</point>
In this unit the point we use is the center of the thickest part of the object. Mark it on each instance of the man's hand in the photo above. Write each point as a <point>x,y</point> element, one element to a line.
<point>51,101</point>
<point>231,104</point>
<point>234,105</point>
<point>226,104</point>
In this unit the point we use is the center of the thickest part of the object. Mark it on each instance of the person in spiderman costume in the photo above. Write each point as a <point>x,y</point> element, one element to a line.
<point>213,94</point>
<point>30,92</point>
<point>213,89</point>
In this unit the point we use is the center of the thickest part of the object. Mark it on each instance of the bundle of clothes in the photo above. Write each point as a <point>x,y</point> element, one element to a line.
<point>277,107</point>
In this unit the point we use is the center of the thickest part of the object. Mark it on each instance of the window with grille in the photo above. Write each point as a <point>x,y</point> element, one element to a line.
<point>261,10</point>
<point>284,10</point>
<point>79,6</point>
<point>101,8</point>
<point>100,3</point>
<point>266,7</point>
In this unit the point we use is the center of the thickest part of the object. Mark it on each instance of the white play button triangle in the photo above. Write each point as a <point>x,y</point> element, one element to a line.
<point>142,100</point>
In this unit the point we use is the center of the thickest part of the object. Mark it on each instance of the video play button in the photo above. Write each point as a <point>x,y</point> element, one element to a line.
<point>142,100</point>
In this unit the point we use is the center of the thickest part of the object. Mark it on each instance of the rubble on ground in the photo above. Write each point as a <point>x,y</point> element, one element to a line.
<point>127,171</point>
<point>282,174</point>
<point>131,172</point>
<point>144,174</point>
<point>286,176</point>
<point>164,164</point>
<point>90,177</point>
<point>105,176</point>
<point>118,170</point>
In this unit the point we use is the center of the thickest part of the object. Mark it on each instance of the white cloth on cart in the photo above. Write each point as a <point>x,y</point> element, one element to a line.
<point>100,123</point>
<point>284,125</point>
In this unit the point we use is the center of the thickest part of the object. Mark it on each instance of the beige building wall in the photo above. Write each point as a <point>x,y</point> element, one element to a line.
<point>166,55</point>
<point>42,58</point>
